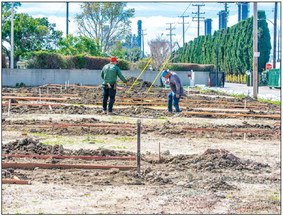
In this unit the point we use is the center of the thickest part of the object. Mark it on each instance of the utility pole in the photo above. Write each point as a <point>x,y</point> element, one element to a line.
<point>255,48</point>
<point>170,34</point>
<point>12,37</point>
<point>198,14</point>
<point>67,20</point>
<point>183,28</point>
<point>275,35</point>
<point>142,38</point>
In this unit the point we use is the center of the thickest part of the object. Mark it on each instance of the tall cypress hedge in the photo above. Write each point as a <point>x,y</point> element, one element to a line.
<point>232,47</point>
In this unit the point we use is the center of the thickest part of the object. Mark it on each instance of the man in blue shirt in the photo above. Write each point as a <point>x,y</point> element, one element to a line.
<point>177,90</point>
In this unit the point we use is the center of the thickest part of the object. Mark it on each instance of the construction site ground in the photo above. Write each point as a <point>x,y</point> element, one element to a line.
<point>221,155</point>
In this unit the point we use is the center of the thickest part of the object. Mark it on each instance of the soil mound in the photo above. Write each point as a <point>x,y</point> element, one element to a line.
<point>32,146</point>
<point>141,83</point>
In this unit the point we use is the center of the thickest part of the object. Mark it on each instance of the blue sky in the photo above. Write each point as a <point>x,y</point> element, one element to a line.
<point>154,16</point>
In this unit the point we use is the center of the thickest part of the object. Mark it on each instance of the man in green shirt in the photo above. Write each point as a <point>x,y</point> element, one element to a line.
<point>109,74</point>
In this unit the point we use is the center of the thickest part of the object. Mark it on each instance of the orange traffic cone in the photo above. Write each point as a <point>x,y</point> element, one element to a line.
<point>208,84</point>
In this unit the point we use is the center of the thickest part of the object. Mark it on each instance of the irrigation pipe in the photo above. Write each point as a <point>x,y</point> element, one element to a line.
<point>67,166</point>
<point>231,131</point>
<point>15,181</point>
<point>71,156</point>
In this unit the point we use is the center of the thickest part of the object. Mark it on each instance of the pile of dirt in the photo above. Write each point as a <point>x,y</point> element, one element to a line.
<point>31,146</point>
<point>214,160</point>
<point>11,173</point>
<point>141,82</point>
<point>219,185</point>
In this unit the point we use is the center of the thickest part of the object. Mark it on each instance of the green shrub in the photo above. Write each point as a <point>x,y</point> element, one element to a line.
<point>96,63</point>
<point>190,66</point>
<point>46,60</point>
<point>123,64</point>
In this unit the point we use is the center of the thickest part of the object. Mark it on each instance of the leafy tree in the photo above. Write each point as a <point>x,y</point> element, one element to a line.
<point>30,34</point>
<point>107,22</point>
<point>79,45</point>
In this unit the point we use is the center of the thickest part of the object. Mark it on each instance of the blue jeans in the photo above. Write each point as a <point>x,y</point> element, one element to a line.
<point>108,92</point>
<point>173,100</point>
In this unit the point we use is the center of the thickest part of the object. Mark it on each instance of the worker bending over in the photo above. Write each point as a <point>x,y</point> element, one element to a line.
<point>177,90</point>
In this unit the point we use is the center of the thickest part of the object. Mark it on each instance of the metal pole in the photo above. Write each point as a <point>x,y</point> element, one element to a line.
<point>139,146</point>
<point>67,15</point>
<point>12,37</point>
<point>255,48</point>
<point>275,35</point>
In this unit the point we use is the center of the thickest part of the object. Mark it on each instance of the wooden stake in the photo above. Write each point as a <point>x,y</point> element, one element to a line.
<point>139,146</point>
<point>159,152</point>
<point>9,107</point>
<point>39,95</point>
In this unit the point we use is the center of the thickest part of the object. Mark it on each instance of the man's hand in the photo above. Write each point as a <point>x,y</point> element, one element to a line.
<point>177,95</point>
<point>166,82</point>
<point>127,83</point>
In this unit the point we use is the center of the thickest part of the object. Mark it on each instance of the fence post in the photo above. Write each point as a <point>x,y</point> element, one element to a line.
<point>139,146</point>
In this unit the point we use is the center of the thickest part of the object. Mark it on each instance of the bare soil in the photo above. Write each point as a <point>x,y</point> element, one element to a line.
<point>196,171</point>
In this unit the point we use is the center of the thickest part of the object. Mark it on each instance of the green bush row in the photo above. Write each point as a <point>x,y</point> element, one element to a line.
<point>46,60</point>
<point>190,66</point>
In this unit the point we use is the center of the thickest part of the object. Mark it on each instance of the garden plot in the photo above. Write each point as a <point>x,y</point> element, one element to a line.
<point>191,163</point>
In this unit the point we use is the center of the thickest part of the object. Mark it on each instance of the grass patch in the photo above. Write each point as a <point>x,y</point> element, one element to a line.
<point>238,95</point>
<point>163,118</point>
<point>125,138</point>
<point>270,101</point>
<point>77,104</point>
<point>61,141</point>
<point>39,134</point>
<point>118,147</point>
<point>89,139</point>
<point>274,198</point>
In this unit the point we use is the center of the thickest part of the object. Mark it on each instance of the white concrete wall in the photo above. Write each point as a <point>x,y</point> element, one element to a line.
<point>36,77</point>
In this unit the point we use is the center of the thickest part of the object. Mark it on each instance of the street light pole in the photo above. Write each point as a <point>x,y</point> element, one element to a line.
<point>255,49</point>
<point>12,37</point>
<point>274,35</point>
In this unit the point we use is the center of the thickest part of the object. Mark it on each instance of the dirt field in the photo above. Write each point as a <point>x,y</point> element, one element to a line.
<point>221,155</point>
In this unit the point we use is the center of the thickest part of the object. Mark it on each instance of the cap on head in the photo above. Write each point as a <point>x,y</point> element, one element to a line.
<point>164,73</point>
<point>113,59</point>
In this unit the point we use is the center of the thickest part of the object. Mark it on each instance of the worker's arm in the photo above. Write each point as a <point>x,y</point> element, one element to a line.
<point>120,75</point>
<point>178,87</point>
<point>102,73</point>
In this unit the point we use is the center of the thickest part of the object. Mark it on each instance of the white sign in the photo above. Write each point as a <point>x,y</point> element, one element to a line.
<point>256,54</point>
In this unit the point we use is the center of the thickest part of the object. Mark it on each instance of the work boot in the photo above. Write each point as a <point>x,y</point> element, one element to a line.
<point>104,112</point>
<point>111,113</point>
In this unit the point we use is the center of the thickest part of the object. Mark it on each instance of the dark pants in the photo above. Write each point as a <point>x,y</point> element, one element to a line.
<point>108,92</point>
<point>173,100</point>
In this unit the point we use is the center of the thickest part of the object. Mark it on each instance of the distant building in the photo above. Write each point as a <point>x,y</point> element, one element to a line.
<point>22,64</point>
<point>222,19</point>
<point>139,37</point>
<point>243,10</point>
<point>207,26</point>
